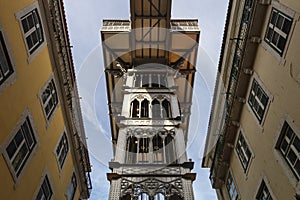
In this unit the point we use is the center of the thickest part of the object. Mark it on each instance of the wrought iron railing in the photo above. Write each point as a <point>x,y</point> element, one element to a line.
<point>232,84</point>
<point>70,92</point>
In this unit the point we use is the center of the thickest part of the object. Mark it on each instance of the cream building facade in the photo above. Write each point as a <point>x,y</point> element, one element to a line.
<point>253,142</point>
<point>42,141</point>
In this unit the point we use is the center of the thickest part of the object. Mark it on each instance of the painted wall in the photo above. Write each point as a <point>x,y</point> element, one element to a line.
<point>23,95</point>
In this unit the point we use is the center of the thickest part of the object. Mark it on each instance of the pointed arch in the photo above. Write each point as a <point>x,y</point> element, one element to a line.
<point>159,196</point>
<point>134,108</point>
<point>158,156</point>
<point>131,149</point>
<point>170,149</point>
<point>166,109</point>
<point>156,109</point>
<point>145,108</point>
<point>143,150</point>
<point>144,196</point>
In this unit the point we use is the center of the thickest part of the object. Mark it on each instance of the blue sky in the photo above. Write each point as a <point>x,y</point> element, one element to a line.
<point>84,21</point>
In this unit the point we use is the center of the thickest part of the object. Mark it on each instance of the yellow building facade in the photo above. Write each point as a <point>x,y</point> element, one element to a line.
<point>253,142</point>
<point>42,139</point>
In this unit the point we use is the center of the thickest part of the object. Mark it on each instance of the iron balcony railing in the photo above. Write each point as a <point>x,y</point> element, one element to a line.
<point>66,76</point>
<point>232,86</point>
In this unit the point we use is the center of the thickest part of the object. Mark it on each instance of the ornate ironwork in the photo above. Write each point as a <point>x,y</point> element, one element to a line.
<point>232,84</point>
<point>151,186</point>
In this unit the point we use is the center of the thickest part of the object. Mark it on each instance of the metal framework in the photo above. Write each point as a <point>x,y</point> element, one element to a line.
<point>149,41</point>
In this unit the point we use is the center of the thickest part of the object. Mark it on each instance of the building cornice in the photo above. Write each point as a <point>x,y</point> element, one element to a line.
<point>63,67</point>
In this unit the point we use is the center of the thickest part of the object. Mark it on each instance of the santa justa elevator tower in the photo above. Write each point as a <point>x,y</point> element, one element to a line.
<point>150,68</point>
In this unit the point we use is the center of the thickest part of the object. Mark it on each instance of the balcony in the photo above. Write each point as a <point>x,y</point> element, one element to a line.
<point>246,43</point>
<point>116,26</point>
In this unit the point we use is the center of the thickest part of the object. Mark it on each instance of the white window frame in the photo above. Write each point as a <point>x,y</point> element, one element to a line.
<point>53,95</point>
<point>33,51</point>
<point>290,146</point>
<point>260,190</point>
<point>11,75</point>
<point>232,190</point>
<point>57,155</point>
<point>278,30</point>
<point>242,150</point>
<point>270,99</point>
<point>26,116</point>
<point>50,185</point>
<point>289,12</point>
<point>71,186</point>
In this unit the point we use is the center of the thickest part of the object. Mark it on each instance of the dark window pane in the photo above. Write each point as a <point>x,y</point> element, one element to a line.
<point>34,37</point>
<point>46,189</point>
<point>275,38</point>
<point>29,42</point>
<point>40,195</point>
<point>27,134</point>
<point>296,143</point>
<point>18,138</point>
<point>286,26</point>
<point>145,108</point>
<point>292,157</point>
<point>289,132</point>
<point>279,22</point>
<point>155,109</point>
<point>281,43</point>
<point>269,34</point>
<point>166,109</point>
<point>135,108</point>
<point>21,155</point>
<point>25,25</point>
<point>264,99</point>
<point>284,146</point>
<point>11,149</point>
<point>273,17</point>
<point>251,99</point>
<point>30,21</point>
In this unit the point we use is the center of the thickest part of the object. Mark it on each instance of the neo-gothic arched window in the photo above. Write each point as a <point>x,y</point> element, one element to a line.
<point>145,108</point>
<point>143,196</point>
<point>139,110</point>
<point>143,150</point>
<point>159,196</point>
<point>161,109</point>
<point>155,109</point>
<point>131,149</point>
<point>166,109</point>
<point>134,108</point>
<point>158,156</point>
<point>170,149</point>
